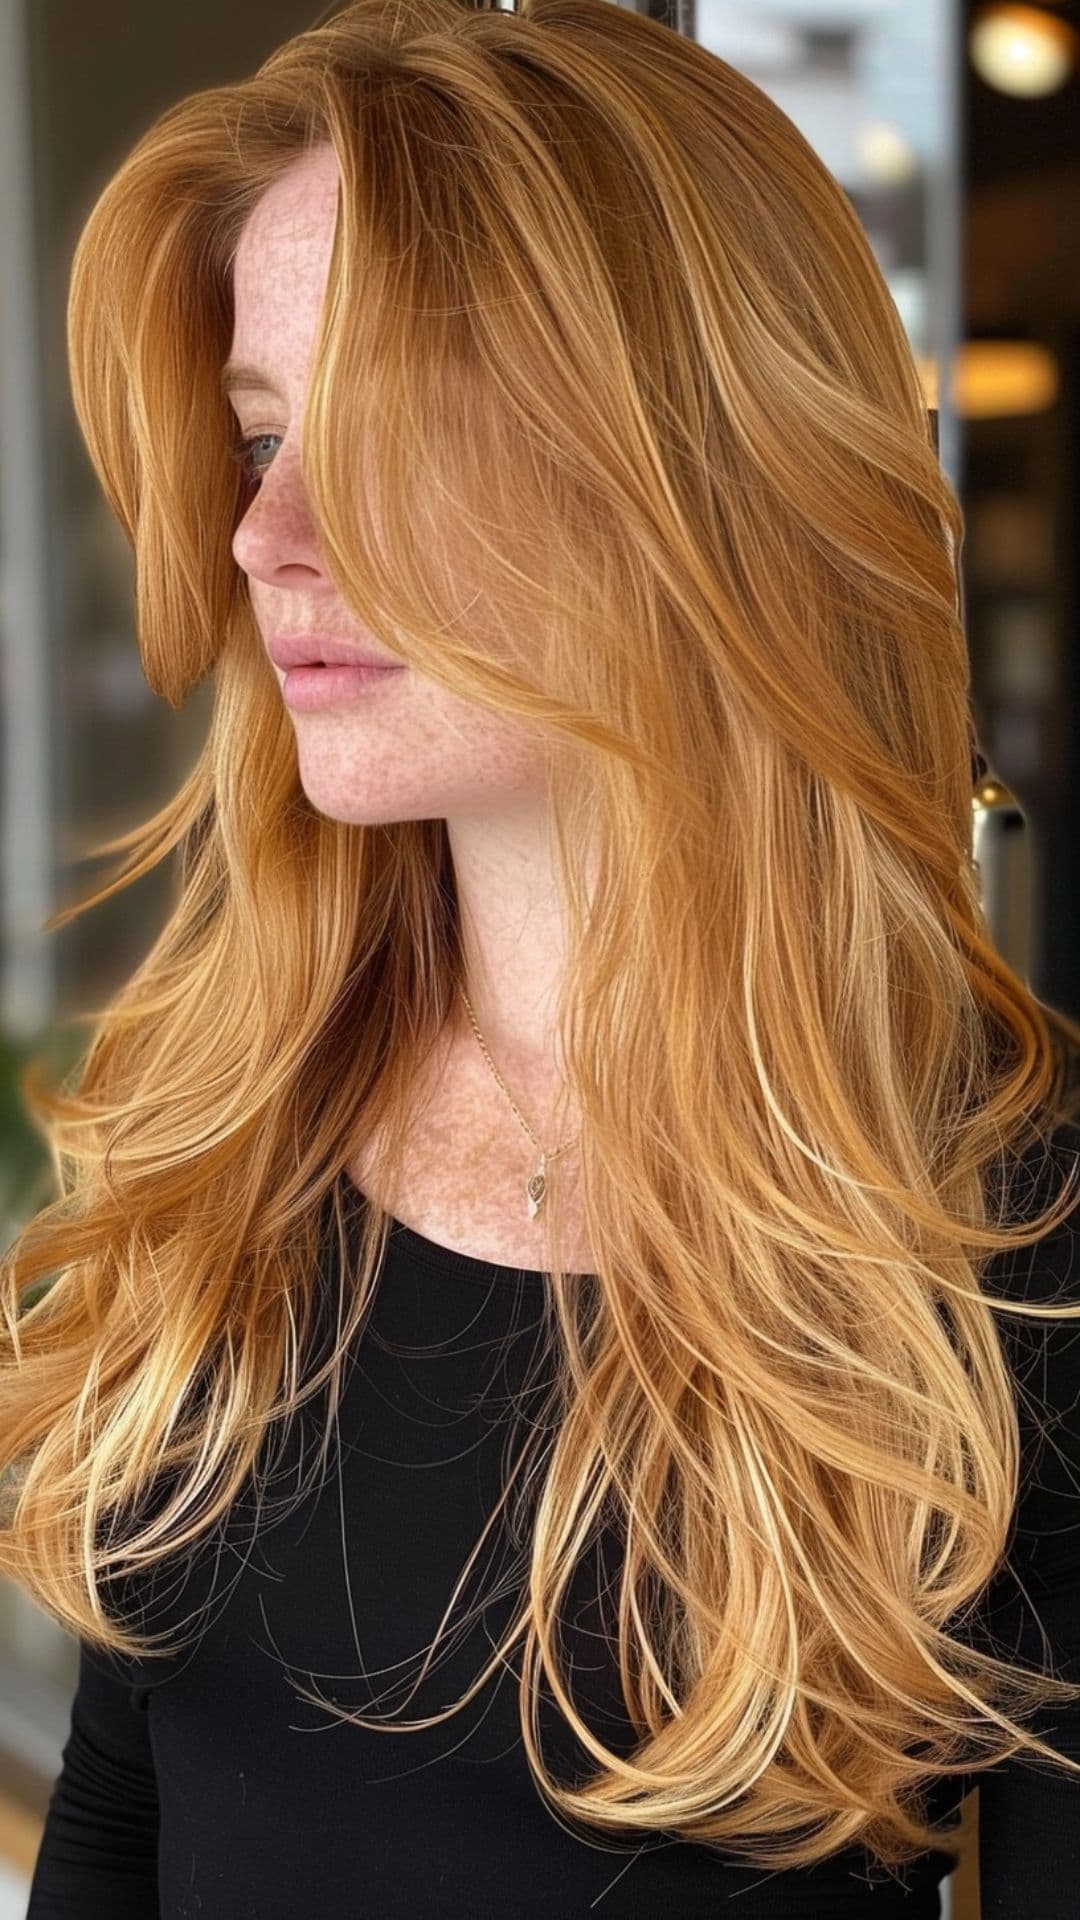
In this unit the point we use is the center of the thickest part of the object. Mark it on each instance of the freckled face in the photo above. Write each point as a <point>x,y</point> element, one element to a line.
<point>404,748</point>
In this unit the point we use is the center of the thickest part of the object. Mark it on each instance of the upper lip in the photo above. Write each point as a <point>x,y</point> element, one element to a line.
<point>320,649</point>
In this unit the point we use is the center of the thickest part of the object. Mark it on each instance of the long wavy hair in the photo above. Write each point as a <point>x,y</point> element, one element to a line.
<point>593,296</point>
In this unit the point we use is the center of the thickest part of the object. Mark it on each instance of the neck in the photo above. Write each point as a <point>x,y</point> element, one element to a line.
<point>513,938</point>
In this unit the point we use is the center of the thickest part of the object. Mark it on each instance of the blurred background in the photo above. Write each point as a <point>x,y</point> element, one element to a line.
<point>954,128</point>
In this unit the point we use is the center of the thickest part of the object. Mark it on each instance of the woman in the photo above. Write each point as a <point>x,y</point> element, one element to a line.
<point>569,1149</point>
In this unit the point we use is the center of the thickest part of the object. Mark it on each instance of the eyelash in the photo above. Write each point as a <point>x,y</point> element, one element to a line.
<point>240,451</point>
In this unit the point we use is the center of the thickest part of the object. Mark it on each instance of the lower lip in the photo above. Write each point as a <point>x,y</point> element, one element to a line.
<point>309,687</point>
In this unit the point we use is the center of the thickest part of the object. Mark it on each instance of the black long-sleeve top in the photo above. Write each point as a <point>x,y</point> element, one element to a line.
<point>205,1787</point>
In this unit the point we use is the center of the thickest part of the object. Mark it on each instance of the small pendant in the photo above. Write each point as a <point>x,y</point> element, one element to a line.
<point>536,1187</point>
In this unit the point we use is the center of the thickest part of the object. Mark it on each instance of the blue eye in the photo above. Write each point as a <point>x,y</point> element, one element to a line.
<point>240,450</point>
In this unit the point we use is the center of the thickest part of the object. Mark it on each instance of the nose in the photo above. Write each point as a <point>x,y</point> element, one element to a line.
<point>275,540</point>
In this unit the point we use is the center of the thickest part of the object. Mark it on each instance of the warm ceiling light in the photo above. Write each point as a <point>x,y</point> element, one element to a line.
<point>885,153</point>
<point>1000,379</point>
<point>1023,50</point>
<point>994,379</point>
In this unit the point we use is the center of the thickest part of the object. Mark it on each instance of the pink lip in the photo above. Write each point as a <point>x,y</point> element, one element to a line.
<point>307,688</point>
<point>320,649</point>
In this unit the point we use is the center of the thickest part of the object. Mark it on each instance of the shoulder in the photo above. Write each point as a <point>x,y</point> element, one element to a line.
<point>1043,1352</point>
<point>1038,1177</point>
<point>1046,1272</point>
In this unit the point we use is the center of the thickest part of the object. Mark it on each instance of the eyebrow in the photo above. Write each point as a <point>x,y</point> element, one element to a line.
<point>237,374</point>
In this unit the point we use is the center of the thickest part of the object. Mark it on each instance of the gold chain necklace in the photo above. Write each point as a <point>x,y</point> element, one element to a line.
<point>537,1182</point>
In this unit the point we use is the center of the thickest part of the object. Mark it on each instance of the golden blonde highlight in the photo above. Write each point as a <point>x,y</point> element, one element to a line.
<point>595,303</point>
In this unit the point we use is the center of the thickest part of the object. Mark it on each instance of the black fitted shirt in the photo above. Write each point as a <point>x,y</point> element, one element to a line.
<point>206,1787</point>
